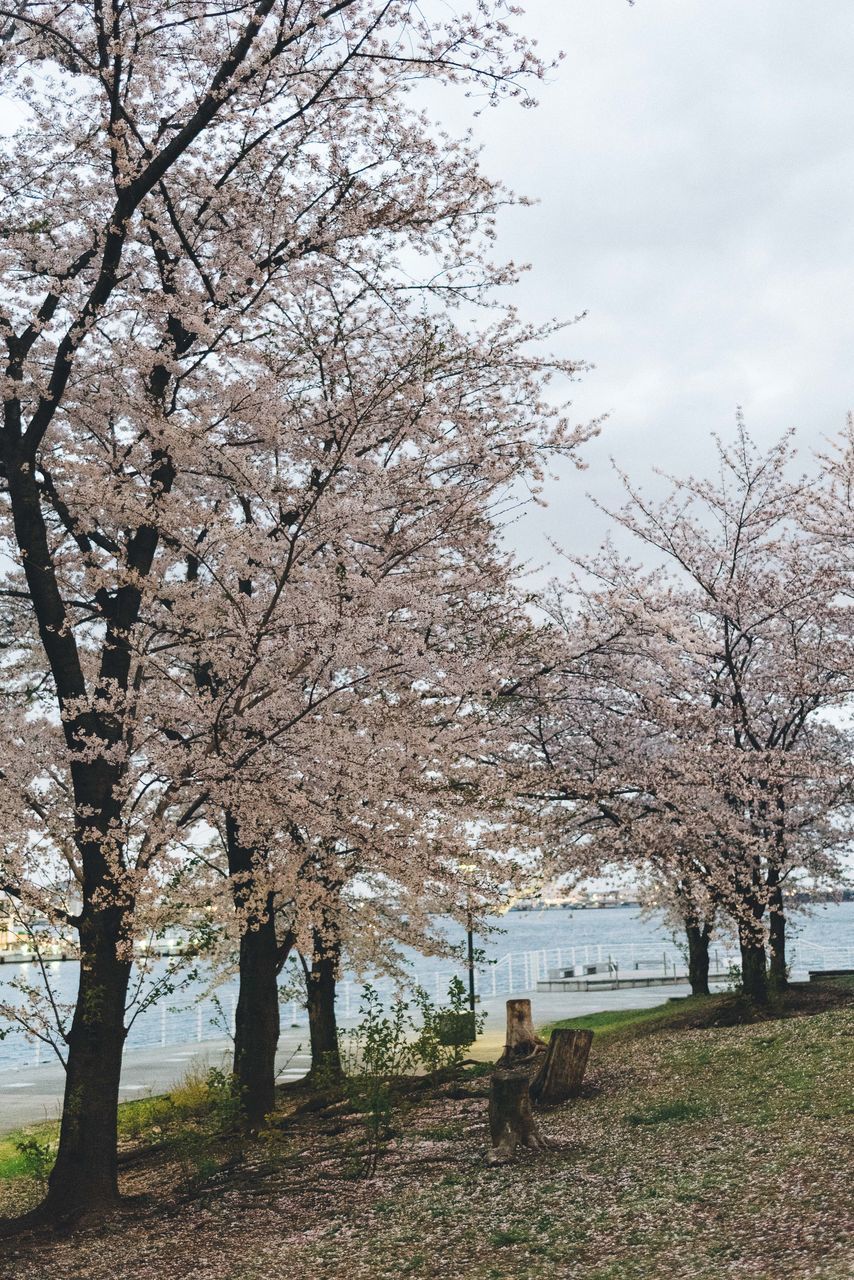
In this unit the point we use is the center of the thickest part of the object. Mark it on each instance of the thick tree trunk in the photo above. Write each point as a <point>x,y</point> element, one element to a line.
<point>84,1178</point>
<point>698,957</point>
<point>754,971</point>
<point>256,1025</point>
<point>522,1041</point>
<point>511,1120</point>
<point>779,973</point>
<point>754,965</point>
<point>562,1073</point>
<point>323,1028</point>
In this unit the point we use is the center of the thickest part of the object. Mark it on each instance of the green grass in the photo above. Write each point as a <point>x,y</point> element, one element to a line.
<point>694,1012</point>
<point>11,1161</point>
<point>613,1020</point>
<point>140,1120</point>
<point>148,1118</point>
<point>670,1112</point>
<point>13,1164</point>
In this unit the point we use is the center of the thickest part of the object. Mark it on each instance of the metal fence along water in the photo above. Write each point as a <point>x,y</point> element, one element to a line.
<point>210,1017</point>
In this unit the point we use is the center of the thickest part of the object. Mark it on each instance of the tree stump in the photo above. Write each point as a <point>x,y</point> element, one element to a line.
<point>511,1120</point>
<point>522,1041</point>
<point>561,1075</point>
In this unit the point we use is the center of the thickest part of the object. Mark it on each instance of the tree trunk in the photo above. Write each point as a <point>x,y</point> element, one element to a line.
<point>511,1120</point>
<point>256,1024</point>
<point>698,957</point>
<point>777,934</point>
<point>323,1028</point>
<point>522,1041</point>
<point>754,972</point>
<point>85,1176</point>
<point>562,1073</point>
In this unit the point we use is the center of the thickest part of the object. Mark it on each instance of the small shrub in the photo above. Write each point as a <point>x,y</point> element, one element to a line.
<point>388,1044</point>
<point>201,1119</point>
<point>197,1095</point>
<point>37,1158</point>
<point>198,1166</point>
<point>326,1072</point>
<point>147,1118</point>
<point>447,1031</point>
<point>377,1053</point>
<point>196,1091</point>
<point>224,1103</point>
<point>215,1140</point>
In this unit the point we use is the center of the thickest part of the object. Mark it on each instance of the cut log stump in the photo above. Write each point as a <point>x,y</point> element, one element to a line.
<point>521,1042</point>
<point>511,1120</point>
<point>562,1073</point>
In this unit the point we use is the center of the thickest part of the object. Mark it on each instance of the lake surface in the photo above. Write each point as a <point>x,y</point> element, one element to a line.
<point>522,946</point>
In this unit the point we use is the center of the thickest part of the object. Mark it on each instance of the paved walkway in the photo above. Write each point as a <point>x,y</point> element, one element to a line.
<point>549,1006</point>
<point>31,1094</point>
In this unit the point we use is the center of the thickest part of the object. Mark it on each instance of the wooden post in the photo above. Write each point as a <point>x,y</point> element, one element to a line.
<point>561,1075</point>
<point>522,1041</point>
<point>511,1120</point>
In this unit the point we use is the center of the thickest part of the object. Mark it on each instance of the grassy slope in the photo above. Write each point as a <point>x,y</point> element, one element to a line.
<point>701,1151</point>
<point>726,1009</point>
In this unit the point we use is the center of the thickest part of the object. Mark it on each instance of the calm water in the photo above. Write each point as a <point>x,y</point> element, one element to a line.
<point>830,925</point>
<point>821,937</point>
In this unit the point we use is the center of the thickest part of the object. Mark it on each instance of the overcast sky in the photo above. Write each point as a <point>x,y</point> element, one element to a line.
<point>694,164</point>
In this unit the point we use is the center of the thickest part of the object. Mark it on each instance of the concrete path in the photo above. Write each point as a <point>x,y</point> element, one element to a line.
<point>549,1006</point>
<point>32,1094</point>
<point>29,1095</point>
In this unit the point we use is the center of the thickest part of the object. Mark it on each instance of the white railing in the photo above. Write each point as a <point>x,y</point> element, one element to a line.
<point>804,955</point>
<point>515,973</point>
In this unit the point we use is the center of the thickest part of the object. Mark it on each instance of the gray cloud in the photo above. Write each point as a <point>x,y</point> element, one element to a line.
<point>694,163</point>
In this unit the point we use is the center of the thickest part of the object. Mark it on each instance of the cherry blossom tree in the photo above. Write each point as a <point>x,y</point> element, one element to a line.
<point>711,745</point>
<point>682,897</point>
<point>339,640</point>
<point>170,169</point>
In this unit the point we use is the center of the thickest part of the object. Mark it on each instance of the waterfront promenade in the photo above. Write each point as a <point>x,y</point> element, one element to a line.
<point>34,1093</point>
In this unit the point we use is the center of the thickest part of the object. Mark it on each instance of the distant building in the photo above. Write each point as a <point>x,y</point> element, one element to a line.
<point>39,936</point>
<point>13,935</point>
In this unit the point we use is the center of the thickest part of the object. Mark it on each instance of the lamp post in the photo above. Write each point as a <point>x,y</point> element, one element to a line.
<point>470,868</point>
<point>470,941</point>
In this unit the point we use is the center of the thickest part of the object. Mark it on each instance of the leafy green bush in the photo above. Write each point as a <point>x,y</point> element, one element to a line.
<point>388,1044</point>
<point>36,1157</point>
<point>447,1031</point>
<point>376,1053</point>
<point>199,1093</point>
<point>216,1140</point>
<point>147,1117</point>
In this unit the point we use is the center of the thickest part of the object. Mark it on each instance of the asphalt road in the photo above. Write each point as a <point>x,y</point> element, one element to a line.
<point>32,1094</point>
